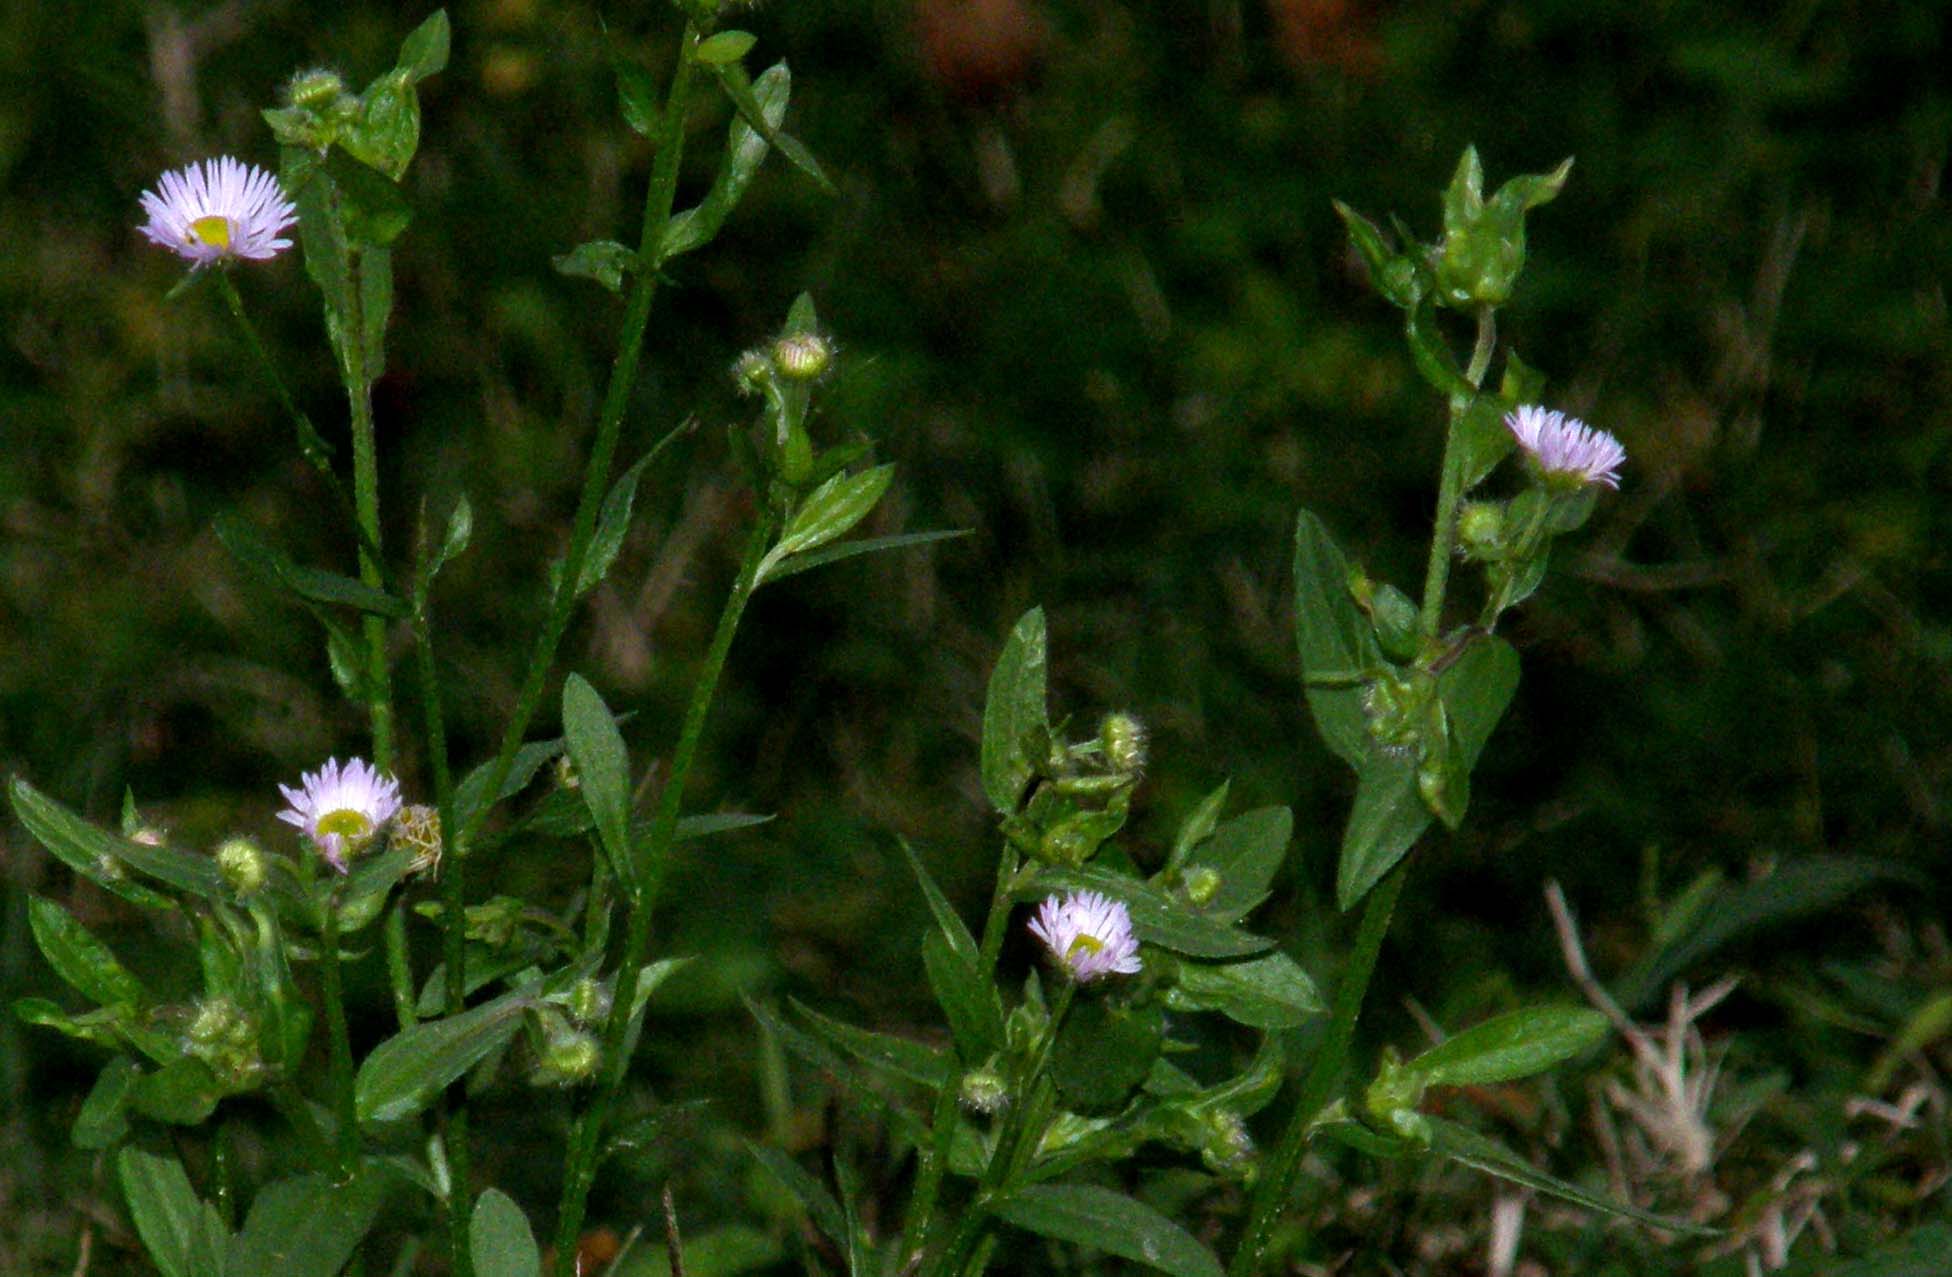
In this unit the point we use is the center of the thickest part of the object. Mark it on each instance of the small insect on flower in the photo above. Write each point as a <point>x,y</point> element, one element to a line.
<point>1566,448</point>
<point>218,211</point>
<point>341,809</point>
<point>1090,935</point>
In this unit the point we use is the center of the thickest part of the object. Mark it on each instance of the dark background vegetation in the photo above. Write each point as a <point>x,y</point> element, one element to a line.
<point>1093,300</point>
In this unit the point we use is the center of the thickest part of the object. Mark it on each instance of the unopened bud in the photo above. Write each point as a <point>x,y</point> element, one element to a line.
<point>803,356</point>
<point>149,836</point>
<point>1123,738</point>
<point>1202,882</point>
<point>1481,528</point>
<point>751,371</point>
<point>1226,1147</point>
<point>983,1091</point>
<point>569,1058</point>
<point>318,87</point>
<point>241,862</point>
<point>589,1001</point>
<point>566,775</point>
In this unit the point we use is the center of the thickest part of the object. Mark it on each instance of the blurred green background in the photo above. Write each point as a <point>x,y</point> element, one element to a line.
<point>1093,300</point>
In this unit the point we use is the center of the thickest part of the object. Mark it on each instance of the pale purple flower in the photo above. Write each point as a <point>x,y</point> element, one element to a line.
<point>1562,445</point>
<point>1090,935</point>
<point>218,210</point>
<point>340,809</point>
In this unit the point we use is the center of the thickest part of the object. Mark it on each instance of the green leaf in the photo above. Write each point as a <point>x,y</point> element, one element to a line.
<point>103,857</point>
<point>1337,646</point>
<point>99,1027</point>
<point>968,1001</point>
<point>1268,992</point>
<point>1482,438</point>
<point>895,1057</point>
<point>1463,1145</point>
<point>307,1226</point>
<point>1197,828</point>
<point>726,46</point>
<point>732,79</point>
<point>603,768</point>
<point>812,1195</point>
<point>385,131</point>
<point>1015,721</point>
<point>424,53</point>
<point>1798,889</point>
<point>827,513</point>
<point>472,793</point>
<point>852,549</point>
<point>1112,1222</point>
<point>500,1240</point>
<point>1394,275</point>
<point>255,553</point>
<point>1246,853</point>
<point>373,208</point>
<point>1431,355</point>
<point>182,1233</point>
<point>103,1120</point>
<point>636,96</point>
<point>613,521</point>
<point>745,151</point>
<point>182,1093</point>
<point>78,957</point>
<point>1511,1046</point>
<point>405,1072</point>
<point>1104,1051</point>
<point>1521,383</point>
<point>954,931</point>
<point>603,260</point>
<point>1157,918</point>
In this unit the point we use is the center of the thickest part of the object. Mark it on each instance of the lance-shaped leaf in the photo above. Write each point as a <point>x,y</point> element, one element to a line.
<point>603,260</point>
<point>827,513</point>
<point>183,1234</point>
<point>1268,992</point>
<point>602,771</point>
<point>1243,854</point>
<point>853,549</point>
<point>78,957</point>
<point>1015,717</point>
<point>1338,648</point>
<point>103,1119</point>
<point>1157,917</point>
<point>105,858</point>
<point>613,521</point>
<point>893,1056</point>
<point>405,1072</point>
<point>1087,1215</point>
<point>745,151</point>
<point>1463,1145</point>
<point>739,89</point>
<point>311,584</point>
<point>1507,1047</point>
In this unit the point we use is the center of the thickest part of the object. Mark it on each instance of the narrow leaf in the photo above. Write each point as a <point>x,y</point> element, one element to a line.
<point>1511,1046</point>
<point>812,1195</point>
<point>104,857</point>
<point>732,78</point>
<point>405,1072</point>
<point>968,1001</point>
<point>1463,1145</point>
<point>602,770</point>
<point>306,1227</point>
<point>500,1239</point>
<point>1087,1215</point>
<point>853,549</point>
<point>181,1231</point>
<point>1157,918</point>
<point>424,53</point>
<point>1014,714</point>
<point>1268,992</point>
<point>828,512</point>
<point>255,553</point>
<point>1336,644</point>
<point>896,1057</point>
<point>745,150</point>
<point>78,957</point>
<point>103,1119</point>
<point>1246,853</point>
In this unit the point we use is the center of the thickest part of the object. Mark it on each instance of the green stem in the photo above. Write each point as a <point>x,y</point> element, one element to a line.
<point>658,202</point>
<point>344,1110</point>
<point>1276,1184</point>
<point>1450,489</point>
<point>934,1156</point>
<point>366,509</point>
<point>587,1136</point>
<point>453,876</point>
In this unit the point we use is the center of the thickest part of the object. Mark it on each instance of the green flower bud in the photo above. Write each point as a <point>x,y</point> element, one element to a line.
<point>212,1022</point>
<point>589,1001</point>
<point>1068,843</point>
<point>314,89</point>
<point>1483,249</point>
<point>568,1058</point>
<point>1123,738</point>
<point>752,371</point>
<point>983,1091</point>
<point>1481,529</point>
<point>241,862</point>
<point>1201,882</point>
<point>803,356</point>
<point>566,777</point>
<point>1225,1146</point>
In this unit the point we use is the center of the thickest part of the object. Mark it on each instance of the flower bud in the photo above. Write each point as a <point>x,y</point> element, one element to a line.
<point>566,777</point>
<point>314,89</point>
<point>149,835</point>
<point>803,356</point>
<point>751,371</point>
<point>1201,882</point>
<point>1123,738</point>
<point>241,862</point>
<point>568,1058</point>
<point>589,1001</point>
<point>983,1091</point>
<point>1481,529</point>
<point>1225,1145</point>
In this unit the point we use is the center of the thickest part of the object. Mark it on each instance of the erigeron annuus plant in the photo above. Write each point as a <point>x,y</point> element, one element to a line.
<point>1055,1091</point>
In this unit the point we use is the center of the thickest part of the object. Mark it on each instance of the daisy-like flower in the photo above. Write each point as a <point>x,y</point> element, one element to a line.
<point>340,809</point>
<point>1090,935</point>
<point>1562,445</point>
<point>218,211</point>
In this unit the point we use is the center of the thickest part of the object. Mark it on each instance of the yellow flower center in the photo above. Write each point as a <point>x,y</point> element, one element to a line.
<point>1086,945</point>
<point>349,824</point>
<point>213,230</point>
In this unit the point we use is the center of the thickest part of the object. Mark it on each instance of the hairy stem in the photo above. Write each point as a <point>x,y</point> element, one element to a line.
<point>1276,1183</point>
<point>1450,488</point>
<point>658,202</point>
<point>345,1141</point>
<point>586,1136</point>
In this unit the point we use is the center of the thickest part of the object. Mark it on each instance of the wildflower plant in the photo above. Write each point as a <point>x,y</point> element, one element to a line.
<point>1052,1074</point>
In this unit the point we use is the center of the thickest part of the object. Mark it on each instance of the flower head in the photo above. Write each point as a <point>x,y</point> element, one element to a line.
<point>217,211</point>
<point>340,809</point>
<point>1090,935</point>
<point>1562,445</point>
